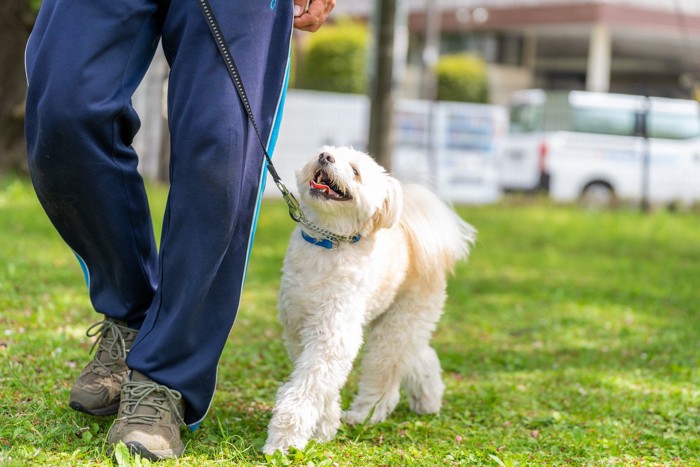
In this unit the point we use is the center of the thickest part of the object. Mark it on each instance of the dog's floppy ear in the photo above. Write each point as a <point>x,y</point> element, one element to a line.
<point>387,216</point>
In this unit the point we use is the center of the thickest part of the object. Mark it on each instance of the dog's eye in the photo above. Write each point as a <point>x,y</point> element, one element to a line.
<point>355,172</point>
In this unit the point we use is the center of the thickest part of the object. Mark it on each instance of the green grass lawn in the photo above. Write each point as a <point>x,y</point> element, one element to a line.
<point>570,338</point>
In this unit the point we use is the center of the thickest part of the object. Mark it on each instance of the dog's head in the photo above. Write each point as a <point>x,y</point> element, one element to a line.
<point>347,192</point>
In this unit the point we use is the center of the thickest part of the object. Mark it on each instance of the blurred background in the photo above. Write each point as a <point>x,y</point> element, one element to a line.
<point>584,101</point>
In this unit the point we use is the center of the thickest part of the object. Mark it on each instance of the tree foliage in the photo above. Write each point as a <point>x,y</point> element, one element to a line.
<point>334,59</point>
<point>462,78</point>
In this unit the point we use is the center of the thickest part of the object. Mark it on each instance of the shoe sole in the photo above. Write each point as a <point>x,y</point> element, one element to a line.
<point>101,412</point>
<point>141,450</point>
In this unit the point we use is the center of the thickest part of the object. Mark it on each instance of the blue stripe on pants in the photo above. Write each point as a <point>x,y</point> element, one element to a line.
<point>84,61</point>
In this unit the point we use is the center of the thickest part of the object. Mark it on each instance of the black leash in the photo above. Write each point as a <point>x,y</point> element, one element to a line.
<point>294,209</point>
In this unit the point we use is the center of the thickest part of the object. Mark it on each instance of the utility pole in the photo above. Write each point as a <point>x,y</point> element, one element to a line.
<point>431,54</point>
<point>380,144</point>
<point>642,130</point>
<point>431,51</point>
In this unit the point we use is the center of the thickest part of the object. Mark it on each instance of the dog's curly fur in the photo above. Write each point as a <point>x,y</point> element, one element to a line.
<point>391,284</point>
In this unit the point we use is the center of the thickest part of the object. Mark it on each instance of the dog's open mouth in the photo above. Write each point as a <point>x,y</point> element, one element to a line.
<point>323,185</point>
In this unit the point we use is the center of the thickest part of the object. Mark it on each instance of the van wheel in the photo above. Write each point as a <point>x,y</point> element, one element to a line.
<point>597,195</point>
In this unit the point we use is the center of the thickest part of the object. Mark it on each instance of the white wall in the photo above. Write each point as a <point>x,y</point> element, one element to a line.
<point>449,147</point>
<point>455,154</point>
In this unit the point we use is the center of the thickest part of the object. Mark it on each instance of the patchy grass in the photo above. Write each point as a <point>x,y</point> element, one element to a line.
<point>570,338</point>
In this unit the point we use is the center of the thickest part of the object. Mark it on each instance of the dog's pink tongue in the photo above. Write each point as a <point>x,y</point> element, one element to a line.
<point>320,187</point>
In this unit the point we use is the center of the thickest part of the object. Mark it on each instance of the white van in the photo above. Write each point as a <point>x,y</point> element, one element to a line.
<point>591,146</point>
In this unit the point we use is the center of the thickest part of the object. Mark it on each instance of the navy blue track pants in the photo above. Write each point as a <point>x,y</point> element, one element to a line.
<point>84,60</point>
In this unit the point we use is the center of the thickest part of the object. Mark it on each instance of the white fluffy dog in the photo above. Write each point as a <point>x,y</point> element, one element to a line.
<point>376,257</point>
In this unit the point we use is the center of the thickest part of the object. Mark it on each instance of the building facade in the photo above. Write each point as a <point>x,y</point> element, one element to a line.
<point>647,47</point>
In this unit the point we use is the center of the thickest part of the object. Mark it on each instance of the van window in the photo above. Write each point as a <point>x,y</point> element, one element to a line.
<point>525,118</point>
<point>604,114</point>
<point>673,126</point>
<point>605,121</point>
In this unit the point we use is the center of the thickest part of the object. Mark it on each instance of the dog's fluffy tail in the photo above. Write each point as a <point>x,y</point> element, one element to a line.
<point>438,236</point>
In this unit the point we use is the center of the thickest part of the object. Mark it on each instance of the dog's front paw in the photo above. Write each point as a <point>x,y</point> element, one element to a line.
<point>274,444</point>
<point>270,449</point>
<point>326,431</point>
<point>286,430</point>
<point>329,422</point>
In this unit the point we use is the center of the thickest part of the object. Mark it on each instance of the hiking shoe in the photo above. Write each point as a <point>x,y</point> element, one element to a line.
<point>149,419</point>
<point>96,391</point>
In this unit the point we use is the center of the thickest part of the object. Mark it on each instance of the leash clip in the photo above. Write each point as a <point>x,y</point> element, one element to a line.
<point>295,211</point>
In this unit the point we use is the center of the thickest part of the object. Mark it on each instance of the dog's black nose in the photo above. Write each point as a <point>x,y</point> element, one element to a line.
<point>326,158</point>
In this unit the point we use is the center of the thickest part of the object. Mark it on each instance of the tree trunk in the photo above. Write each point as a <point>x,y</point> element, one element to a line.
<point>381,119</point>
<point>16,21</point>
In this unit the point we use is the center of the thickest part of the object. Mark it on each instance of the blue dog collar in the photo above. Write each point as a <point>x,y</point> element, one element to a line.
<point>324,242</point>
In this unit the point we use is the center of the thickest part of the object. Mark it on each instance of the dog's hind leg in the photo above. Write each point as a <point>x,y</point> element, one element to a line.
<point>397,349</point>
<point>423,382</point>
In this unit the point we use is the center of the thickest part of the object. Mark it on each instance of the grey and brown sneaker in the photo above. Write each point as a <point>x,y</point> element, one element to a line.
<point>97,389</point>
<point>149,420</point>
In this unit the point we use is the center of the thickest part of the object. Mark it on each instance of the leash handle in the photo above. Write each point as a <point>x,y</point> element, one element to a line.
<point>294,208</point>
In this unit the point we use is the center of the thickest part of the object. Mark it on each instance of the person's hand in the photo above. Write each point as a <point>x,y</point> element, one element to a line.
<point>313,19</point>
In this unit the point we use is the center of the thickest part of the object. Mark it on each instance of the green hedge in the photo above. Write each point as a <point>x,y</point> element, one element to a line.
<point>462,78</point>
<point>334,59</point>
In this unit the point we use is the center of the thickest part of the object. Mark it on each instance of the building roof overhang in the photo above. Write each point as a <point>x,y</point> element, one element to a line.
<point>555,16</point>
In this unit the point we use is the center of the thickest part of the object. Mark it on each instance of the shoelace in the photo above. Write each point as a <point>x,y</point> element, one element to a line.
<point>149,394</point>
<point>113,343</point>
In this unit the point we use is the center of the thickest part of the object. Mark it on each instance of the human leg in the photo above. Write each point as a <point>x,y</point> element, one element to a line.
<point>84,61</point>
<point>216,172</point>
